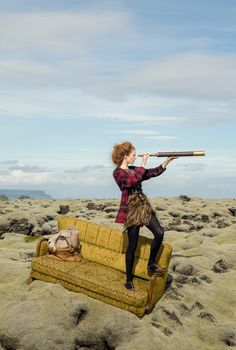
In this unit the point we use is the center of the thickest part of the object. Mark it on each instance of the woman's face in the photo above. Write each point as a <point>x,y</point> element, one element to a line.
<point>131,157</point>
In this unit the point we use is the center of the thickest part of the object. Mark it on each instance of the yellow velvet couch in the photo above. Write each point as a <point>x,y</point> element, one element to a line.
<point>101,272</point>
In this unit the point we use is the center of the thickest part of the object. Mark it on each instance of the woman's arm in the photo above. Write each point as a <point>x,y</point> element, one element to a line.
<point>167,161</point>
<point>153,172</point>
<point>144,159</point>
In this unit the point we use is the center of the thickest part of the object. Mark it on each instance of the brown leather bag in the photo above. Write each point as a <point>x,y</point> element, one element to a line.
<point>65,245</point>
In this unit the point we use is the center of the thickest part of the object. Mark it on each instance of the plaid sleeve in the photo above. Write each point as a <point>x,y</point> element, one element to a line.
<point>153,172</point>
<point>126,180</point>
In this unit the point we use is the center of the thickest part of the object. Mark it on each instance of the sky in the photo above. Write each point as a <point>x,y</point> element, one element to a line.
<point>77,77</point>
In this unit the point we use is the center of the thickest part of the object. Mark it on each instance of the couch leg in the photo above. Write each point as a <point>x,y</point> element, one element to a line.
<point>152,281</point>
<point>30,280</point>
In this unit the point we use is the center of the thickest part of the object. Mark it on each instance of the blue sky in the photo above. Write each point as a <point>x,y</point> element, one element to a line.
<point>76,77</point>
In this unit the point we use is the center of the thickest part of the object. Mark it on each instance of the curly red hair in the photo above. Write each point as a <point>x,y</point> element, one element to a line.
<point>120,150</point>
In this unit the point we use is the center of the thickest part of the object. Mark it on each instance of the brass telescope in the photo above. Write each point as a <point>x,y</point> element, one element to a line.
<point>175,154</point>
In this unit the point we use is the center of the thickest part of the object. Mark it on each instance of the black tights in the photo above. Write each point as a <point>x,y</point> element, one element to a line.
<point>133,235</point>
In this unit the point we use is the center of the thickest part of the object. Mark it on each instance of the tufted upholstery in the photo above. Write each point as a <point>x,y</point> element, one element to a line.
<point>101,273</point>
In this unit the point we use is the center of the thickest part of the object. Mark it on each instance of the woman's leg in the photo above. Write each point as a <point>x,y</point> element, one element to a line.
<point>133,234</point>
<point>158,232</point>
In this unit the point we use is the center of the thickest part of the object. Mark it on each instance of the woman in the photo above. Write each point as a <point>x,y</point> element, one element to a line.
<point>135,209</point>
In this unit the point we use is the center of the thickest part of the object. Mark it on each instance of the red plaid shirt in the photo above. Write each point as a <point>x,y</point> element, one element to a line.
<point>126,180</point>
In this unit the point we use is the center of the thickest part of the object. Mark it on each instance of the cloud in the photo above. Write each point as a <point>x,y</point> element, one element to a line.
<point>88,169</point>
<point>146,134</point>
<point>71,65</point>
<point>27,73</point>
<point>18,174</point>
<point>80,46</point>
<point>9,162</point>
<point>19,178</point>
<point>161,137</point>
<point>28,168</point>
<point>193,167</point>
<point>187,74</point>
<point>64,32</point>
<point>136,132</point>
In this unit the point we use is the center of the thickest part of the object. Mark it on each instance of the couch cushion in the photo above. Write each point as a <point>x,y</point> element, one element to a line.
<point>92,276</point>
<point>107,246</point>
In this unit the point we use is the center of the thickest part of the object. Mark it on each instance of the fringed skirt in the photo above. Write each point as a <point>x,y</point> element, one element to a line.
<point>139,210</point>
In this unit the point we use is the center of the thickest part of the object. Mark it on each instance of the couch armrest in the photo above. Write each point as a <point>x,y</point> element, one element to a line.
<point>42,246</point>
<point>156,289</point>
<point>157,285</point>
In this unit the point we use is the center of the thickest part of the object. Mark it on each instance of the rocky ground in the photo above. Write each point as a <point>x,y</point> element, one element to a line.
<point>197,310</point>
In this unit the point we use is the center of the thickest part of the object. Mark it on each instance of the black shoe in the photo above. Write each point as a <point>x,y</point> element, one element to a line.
<point>154,269</point>
<point>129,285</point>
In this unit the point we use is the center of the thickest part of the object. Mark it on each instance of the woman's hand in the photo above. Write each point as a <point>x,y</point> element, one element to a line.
<point>144,160</point>
<point>167,161</point>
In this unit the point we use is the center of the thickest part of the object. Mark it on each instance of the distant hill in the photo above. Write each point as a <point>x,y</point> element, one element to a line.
<point>34,194</point>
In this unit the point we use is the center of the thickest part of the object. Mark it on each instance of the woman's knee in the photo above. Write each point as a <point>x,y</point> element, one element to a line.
<point>156,227</point>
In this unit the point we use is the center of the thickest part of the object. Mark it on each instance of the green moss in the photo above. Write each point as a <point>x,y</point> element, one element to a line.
<point>3,197</point>
<point>29,239</point>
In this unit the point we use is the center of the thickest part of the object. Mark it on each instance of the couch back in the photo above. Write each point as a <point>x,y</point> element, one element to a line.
<point>107,246</point>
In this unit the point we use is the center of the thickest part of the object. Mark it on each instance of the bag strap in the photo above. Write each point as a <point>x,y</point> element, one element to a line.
<point>60,236</point>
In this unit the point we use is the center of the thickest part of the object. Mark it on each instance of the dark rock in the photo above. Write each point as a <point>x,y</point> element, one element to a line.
<point>206,315</point>
<point>221,224</point>
<point>174,294</point>
<point>167,331</point>
<point>88,344</point>
<point>93,206</point>
<point>191,226</point>
<point>184,310</point>
<point>21,225</point>
<point>232,211</point>
<point>199,227</point>
<point>159,208</point>
<point>46,228</point>
<point>26,256</point>
<point>198,218</point>
<point>221,266</point>
<point>205,218</point>
<point>172,316</point>
<point>155,324</point>
<point>79,314</point>
<point>169,281</point>
<point>111,216</point>
<point>197,305</point>
<point>36,231</point>
<point>216,214</point>
<point>229,337</point>
<point>206,279</point>
<point>173,225</point>
<point>64,209</point>
<point>110,209</point>
<point>174,213</point>
<point>8,343</point>
<point>4,227</point>
<point>182,279</point>
<point>195,280</point>
<point>108,339</point>
<point>187,270</point>
<point>112,337</point>
<point>41,221</point>
<point>188,217</point>
<point>184,198</point>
